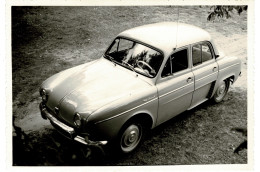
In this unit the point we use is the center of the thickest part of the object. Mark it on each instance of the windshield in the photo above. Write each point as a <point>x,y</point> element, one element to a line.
<point>135,56</point>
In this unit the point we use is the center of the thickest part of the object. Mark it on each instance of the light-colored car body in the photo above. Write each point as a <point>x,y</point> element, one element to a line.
<point>107,95</point>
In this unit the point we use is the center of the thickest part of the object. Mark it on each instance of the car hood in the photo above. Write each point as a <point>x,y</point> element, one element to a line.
<point>87,88</point>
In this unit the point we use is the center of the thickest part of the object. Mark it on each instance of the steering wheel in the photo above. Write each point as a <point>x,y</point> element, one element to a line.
<point>152,71</point>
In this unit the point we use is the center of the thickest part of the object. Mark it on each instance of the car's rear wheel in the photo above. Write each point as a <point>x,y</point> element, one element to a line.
<point>130,137</point>
<point>221,91</point>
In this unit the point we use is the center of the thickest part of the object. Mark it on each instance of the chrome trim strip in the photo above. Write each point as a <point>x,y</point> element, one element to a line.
<point>122,113</point>
<point>205,76</point>
<point>175,90</point>
<point>229,66</point>
<point>200,102</point>
<point>178,97</point>
<point>203,85</point>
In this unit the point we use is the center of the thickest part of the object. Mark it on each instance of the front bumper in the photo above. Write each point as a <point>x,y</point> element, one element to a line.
<point>66,130</point>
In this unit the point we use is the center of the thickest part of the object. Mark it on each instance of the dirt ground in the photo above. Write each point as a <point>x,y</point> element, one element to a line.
<point>46,40</point>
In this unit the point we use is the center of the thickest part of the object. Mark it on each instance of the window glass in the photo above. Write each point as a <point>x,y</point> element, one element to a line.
<point>179,61</point>
<point>125,44</point>
<point>135,56</point>
<point>113,49</point>
<point>196,54</point>
<point>167,69</point>
<point>206,53</point>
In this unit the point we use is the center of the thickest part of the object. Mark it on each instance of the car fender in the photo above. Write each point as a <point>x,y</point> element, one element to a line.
<point>111,126</point>
<point>229,67</point>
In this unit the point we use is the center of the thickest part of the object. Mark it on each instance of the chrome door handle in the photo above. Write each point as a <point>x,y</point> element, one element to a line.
<point>214,69</point>
<point>189,79</point>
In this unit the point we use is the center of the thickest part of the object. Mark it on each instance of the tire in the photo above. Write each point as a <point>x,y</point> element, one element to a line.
<point>221,91</point>
<point>130,137</point>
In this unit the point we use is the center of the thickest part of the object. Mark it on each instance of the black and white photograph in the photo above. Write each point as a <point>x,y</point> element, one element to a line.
<point>120,85</point>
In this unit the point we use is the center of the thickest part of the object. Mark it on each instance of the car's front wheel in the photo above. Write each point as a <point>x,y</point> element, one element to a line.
<point>130,137</point>
<point>221,91</point>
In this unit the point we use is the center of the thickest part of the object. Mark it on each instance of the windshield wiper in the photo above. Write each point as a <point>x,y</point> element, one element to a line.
<point>111,59</point>
<point>131,67</point>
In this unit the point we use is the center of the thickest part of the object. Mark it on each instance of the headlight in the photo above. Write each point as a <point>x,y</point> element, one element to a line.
<point>77,119</point>
<point>44,95</point>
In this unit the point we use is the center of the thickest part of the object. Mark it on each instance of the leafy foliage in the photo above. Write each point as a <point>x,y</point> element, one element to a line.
<point>224,11</point>
<point>242,145</point>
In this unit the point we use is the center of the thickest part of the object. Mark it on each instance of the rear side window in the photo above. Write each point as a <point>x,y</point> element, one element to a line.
<point>196,55</point>
<point>206,53</point>
<point>201,53</point>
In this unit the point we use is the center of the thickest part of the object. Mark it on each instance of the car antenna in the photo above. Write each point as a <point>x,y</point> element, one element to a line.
<point>177,30</point>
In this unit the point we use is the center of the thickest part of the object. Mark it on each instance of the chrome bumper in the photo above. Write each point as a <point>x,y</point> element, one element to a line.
<point>66,130</point>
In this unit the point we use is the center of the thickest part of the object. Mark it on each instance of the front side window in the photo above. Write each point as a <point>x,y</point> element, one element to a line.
<point>180,61</point>
<point>167,70</point>
<point>176,63</point>
<point>201,53</point>
<point>135,56</point>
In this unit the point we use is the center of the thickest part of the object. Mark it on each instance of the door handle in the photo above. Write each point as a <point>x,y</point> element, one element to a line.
<point>189,79</point>
<point>214,69</point>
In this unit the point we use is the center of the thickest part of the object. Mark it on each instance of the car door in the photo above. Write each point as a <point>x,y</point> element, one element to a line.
<point>205,70</point>
<point>175,86</point>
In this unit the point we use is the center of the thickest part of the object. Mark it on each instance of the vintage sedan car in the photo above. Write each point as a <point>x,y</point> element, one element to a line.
<point>148,75</point>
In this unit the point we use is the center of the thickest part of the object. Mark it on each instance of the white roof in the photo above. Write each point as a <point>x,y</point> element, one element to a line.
<point>163,35</point>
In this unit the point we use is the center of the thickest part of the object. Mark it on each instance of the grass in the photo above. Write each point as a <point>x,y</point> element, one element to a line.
<point>199,136</point>
<point>46,40</point>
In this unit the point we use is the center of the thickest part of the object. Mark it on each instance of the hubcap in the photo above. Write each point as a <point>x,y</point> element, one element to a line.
<point>221,91</point>
<point>131,138</point>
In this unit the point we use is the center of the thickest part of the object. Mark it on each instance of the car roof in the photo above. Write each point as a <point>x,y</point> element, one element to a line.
<point>163,35</point>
